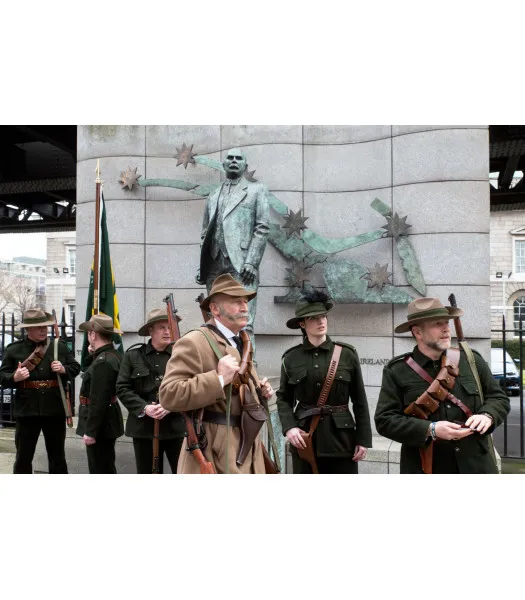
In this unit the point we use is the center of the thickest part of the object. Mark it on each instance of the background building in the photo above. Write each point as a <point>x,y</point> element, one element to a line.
<point>61,273</point>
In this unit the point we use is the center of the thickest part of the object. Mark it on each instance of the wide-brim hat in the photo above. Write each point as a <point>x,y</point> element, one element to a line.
<point>424,309</point>
<point>154,316</point>
<point>226,284</point>
<point>305,308</point>
<point>101,324</point>
<point>36,317</point>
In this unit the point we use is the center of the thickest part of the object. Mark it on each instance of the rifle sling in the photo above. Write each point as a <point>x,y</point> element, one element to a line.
<point>323,396</point>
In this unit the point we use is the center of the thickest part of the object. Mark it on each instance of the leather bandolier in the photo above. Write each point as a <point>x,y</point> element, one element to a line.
<point>35,358</point>
<point>438,391</point>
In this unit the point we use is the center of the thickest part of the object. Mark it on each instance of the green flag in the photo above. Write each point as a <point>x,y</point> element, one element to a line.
<point>107,295</point>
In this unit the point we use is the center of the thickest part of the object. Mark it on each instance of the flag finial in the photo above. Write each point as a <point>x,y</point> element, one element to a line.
<point>98,171</point>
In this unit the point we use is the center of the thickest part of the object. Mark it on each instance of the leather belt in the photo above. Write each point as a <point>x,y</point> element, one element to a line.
<point>327,409</point>
<point>210,416</point>
<point>39,384</point>
<point>85,401</point>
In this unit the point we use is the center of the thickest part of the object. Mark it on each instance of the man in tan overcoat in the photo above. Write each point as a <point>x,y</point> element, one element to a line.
<point>196,379</point>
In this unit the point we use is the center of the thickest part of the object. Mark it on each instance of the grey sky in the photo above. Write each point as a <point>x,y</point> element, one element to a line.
<point>22,244</point>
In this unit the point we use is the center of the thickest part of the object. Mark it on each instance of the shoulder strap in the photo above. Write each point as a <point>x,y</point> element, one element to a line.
<point>212,343</point>
<point>323,396</point>
<point>472,364</point>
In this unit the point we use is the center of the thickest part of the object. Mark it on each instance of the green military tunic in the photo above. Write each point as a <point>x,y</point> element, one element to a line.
<point>101,418</point>
<point>304,369</point>
<point>140,375</point>
<point>401,386</point>
<point>33,402</point>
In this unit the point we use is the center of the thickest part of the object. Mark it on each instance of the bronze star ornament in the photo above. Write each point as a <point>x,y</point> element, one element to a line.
<point>294,223</point>
<point>129,178</point>
<point>298,276</point>
<point>185,155</point>
<point>396,226</point>
<point>378,276</point>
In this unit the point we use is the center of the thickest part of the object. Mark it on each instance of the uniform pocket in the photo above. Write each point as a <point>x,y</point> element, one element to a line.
<point>343,420</point>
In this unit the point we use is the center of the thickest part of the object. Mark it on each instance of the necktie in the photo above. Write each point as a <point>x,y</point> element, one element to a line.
<point>238,342</point>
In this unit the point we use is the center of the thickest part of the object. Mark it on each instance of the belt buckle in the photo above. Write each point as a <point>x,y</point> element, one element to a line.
<point>41,384</point>
<point>327,408</point>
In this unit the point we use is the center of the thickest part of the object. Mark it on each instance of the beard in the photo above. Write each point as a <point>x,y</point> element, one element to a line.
<point>439,345</point>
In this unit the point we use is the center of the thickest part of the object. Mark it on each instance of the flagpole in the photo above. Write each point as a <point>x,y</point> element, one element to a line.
<point>96,257</point>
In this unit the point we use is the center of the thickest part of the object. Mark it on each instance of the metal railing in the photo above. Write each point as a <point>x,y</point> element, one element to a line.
<point>510,441</point>
<point>9,332</point>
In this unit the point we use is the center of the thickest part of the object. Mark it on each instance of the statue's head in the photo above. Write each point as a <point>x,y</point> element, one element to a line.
<point>235,163</point>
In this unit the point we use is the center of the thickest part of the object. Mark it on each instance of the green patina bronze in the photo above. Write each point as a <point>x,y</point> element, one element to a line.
<point>346,280</point>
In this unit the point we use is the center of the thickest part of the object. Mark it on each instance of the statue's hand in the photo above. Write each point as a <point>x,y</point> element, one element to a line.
<point>248,274</point>
<point>198,278</point>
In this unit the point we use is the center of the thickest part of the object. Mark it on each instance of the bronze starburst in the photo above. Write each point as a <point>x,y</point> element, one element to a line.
<point>129,178</point>
<point>298,275</point>
<point>294,222</point>
<point>185,155</point>
<point>378,276</point>
<point>396,226</point>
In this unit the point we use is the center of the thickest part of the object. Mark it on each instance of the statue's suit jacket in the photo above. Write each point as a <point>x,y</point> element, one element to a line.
<point>245,222</point>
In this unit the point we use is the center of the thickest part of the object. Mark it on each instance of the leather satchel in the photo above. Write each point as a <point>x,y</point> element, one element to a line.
<point>308,453</point>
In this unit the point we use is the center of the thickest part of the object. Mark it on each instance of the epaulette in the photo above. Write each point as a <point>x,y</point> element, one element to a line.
<point>14,343</point>
<point>345,345</point>
<point>140,344</point>
<point>290,349</point>
<point>398,358</point>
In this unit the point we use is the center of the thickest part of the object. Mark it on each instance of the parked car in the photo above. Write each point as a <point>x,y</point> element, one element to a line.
<point>513,376</point>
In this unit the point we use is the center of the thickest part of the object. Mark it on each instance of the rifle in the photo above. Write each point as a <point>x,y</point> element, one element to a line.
<point>194,446</point>
<point>457,321</point>
<point>64,395</point>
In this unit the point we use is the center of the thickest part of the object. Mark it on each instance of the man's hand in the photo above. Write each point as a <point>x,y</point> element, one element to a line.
<point>266,388</point>
<point>360,453</point>
<point>58,367</point>
<point>248,274</point>
<point>155,411</point>
<point>445,430</point>
<point>198,278</point>
<point>227,367</point>
<point>295,438</point>
<point>479,423</point>
<point>88,440</point>
<point>21,373</point>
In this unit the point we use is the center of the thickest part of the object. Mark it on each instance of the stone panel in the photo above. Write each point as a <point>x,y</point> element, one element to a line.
<point>343,214</point>
<point>233,136</point>
<point>375,349</point>
<point>449,258</point>
<point>467,206</point>
<point>402,129</point>
<point>379,450</point>
<point>84,260</point>
<point>128,265</point>
<point>169,222</point>
<point>125,220</point>
<point>272,270</point>
<point>441,155</point>
<point>172,266</point>
<point>367,467</point>
<point>95,141</point>
<point>278,166</point>
<point>344,134</point>
<point>475,300</point>
<point>342,168</point>
<point>165,168</point>
<point>110,169</point>
<point>293,200</point>
<point>163,140</point>
<point>131,308</point>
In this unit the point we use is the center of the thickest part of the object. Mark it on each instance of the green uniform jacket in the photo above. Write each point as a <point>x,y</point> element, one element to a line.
<point>303,371</point>
<point>35,402</point>
<point>401,386</point>
<point>101,418</point>
<point>141,372</point>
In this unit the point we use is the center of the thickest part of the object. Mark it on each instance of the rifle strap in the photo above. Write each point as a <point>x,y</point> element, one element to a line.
<point>323,396</point>
<point>60,384</point>
<point>228,391</point>
<point>474,369</point>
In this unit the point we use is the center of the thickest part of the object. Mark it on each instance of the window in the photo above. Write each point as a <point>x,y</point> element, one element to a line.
<point>71,313</point>
<point>519,312</point>
<point>72,260</point>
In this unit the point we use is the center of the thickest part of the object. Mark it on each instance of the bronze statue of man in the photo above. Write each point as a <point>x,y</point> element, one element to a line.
<point>235,229</point>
